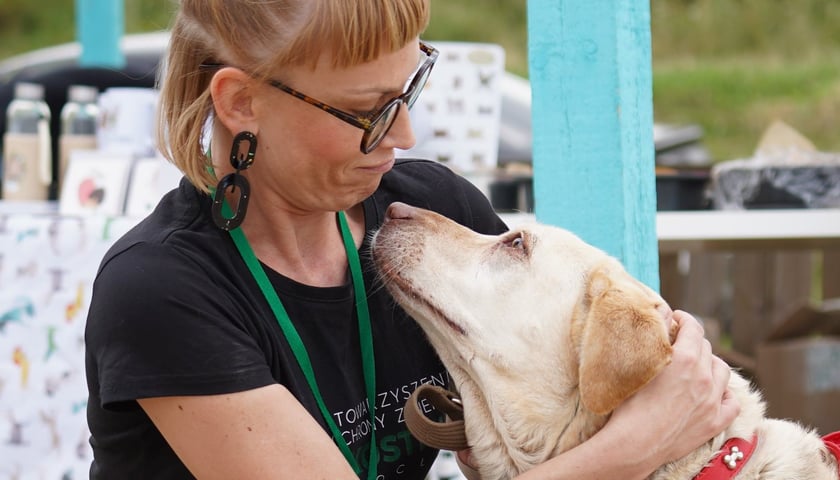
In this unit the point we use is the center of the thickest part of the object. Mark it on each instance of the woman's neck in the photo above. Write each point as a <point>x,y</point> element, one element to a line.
<point>307,248</point>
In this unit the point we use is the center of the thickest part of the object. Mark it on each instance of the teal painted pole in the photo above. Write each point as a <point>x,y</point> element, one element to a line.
<point>100,25</point>
<point>592,112</point>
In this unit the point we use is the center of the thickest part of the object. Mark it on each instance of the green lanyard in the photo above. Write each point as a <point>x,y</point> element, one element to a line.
<point>365,336</point>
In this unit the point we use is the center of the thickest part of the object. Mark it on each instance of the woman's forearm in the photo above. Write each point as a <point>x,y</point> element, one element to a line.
<point>607,455</point>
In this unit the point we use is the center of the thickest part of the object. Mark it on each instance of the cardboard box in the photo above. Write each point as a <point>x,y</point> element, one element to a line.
<point>798,367</point>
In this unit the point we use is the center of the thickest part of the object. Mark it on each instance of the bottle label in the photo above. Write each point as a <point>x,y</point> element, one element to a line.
<point>22,169</point>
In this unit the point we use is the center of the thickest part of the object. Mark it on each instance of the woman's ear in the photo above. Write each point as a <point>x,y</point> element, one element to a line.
<point>233,97</point>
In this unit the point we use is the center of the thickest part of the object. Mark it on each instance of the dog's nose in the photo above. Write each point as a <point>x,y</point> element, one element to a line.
<point>398,210</point>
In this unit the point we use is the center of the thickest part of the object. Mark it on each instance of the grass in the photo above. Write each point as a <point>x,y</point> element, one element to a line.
<point>735,101</point>
<point>731,66</point>
<point>496,21</point>
<point>25,25</point>
<point>735,66</point>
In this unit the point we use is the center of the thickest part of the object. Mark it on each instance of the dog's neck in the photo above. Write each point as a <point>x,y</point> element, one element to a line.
<point>549,430</point>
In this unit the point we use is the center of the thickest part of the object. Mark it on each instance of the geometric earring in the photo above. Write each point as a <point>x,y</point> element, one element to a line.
<point>240,161</point>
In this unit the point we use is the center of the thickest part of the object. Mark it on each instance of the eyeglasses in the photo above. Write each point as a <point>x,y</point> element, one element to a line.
<point>377,124</point>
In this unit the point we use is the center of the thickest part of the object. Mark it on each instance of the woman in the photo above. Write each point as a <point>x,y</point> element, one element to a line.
<point>227,337</point>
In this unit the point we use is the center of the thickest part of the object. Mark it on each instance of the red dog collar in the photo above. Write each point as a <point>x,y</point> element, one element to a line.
<point>832,442</point>
<point>729,460</point>
<point>736,451</point>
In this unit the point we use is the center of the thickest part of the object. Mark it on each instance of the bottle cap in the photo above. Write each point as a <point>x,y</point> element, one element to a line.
<point>82,93</point>
<point>29,91</point>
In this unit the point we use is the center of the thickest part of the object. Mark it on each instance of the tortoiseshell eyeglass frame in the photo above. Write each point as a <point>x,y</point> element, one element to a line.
<point>370,122</point>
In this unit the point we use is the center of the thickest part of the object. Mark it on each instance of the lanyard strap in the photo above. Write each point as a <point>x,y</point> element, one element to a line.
<point>299,350</point>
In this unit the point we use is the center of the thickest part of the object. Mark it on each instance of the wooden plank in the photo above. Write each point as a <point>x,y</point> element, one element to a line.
<point>699,283</point>
<point>100,25</point>
<point>793,284</point>
<point>831,274</point>
<point>671,284</point>
<point>750,297</point>
<point>592,112</point>
<point>708,287</point>
<point>767,288</point>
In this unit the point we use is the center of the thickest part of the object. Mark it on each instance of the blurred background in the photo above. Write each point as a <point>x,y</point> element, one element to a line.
<point>730,66</point>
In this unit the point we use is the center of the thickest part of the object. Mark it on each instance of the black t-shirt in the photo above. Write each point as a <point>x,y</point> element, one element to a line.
<point>175,311</point>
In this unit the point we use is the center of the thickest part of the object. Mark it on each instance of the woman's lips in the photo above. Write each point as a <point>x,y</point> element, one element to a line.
<point>380,168</point>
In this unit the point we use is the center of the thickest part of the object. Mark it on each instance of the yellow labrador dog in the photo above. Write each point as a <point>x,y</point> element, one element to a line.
<point>545,335</point>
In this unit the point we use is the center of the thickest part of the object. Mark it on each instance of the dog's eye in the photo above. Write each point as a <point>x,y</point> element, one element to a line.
<point>516,242</point>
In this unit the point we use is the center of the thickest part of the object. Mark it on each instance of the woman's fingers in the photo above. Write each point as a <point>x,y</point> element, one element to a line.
<point>694,390</point>
<point>728,407</point>
<point>690,330</point>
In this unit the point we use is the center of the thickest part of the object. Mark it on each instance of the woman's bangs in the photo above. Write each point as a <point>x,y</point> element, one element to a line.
<point>356,31</point>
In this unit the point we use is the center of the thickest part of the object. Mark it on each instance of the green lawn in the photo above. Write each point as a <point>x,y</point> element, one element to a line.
<point>735,101</point>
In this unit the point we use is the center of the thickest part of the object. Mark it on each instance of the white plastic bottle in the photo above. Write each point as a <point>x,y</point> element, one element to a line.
<point>27,151</point>
<point>79,118</point>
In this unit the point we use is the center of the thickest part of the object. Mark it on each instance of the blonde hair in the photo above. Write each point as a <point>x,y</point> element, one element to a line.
<point>260,36</point>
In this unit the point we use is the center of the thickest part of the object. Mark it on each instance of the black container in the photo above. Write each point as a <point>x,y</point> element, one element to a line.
<point>675,190</point>
<point>512,194</point>
<point>682,189</point>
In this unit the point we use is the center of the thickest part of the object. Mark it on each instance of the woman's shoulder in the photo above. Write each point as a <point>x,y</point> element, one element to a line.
<point>413,173</point>
<point>434,186</point>
<point>422,183</point>
<point>176,227</point>
<point>414,176</point>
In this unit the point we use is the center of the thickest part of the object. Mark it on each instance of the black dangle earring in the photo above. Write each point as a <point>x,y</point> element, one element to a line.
<point>240,161</point>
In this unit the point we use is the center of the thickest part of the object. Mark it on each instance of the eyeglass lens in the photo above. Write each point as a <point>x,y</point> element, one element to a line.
<point>381,125</point>
<point>417,87</point>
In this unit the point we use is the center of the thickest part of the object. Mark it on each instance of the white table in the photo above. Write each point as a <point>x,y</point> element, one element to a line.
<point>750,229</point>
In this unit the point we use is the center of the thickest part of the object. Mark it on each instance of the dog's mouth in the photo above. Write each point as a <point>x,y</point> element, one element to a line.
<point>396,249</point>
<point>397,284</point>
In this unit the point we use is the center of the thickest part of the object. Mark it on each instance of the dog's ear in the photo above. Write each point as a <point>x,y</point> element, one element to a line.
<point>623,344</point>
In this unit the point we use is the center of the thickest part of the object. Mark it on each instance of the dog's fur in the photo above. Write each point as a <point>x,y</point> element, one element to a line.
<point>545,335</point>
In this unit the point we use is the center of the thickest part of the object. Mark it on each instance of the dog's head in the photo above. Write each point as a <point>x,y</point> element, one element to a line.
<point>535,309</point>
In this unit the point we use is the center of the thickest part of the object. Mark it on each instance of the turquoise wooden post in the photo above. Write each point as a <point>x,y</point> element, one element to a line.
<point>99,29</point>
<point>592,109</point>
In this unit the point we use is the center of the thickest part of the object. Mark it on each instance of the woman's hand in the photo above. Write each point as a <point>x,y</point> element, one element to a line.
<point>464,459</point>
<point>684,406</point>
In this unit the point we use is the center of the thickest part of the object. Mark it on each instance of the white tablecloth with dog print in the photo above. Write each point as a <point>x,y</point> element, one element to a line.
<point>47,266</point>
